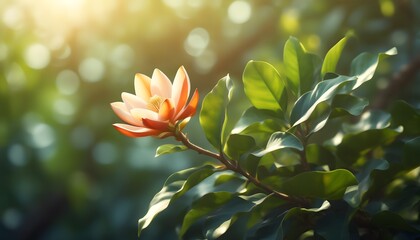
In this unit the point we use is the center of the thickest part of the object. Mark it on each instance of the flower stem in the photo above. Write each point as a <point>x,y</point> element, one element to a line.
<point>180,136</point>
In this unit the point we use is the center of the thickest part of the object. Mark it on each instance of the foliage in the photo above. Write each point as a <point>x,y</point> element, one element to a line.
<point>318,164</point>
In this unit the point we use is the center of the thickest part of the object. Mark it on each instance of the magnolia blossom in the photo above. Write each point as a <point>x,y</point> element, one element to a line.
<point>158,105</point>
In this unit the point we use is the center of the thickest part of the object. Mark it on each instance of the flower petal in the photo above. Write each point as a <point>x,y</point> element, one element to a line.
<point>133,131</point>
<point>181,89</point>
<point>142,86</point>
<point>166,110</point>
<point>140,113</point>
<point>162,126</point>
<point>160,85</point>
<point>190,109</point>
<point>132,101</point>
<point>122,112</point>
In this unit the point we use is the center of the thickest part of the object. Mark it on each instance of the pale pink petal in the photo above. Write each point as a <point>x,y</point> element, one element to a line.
<point>140,113</point>
<point>156,124</point>
<point>190,109</point>
<point>166,110</point>
<point>160,85</point>
<point>142,86</point>
<point>181,89</point>
<point>133,131</point>
<point>122,112</point>
<point>132,101</point>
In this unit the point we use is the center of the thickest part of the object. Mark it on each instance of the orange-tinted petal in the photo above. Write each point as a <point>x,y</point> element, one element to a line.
<point>190,109</point>
<point>122,112</point>
<point>133,131</point>
<point>181,89</point>
<point>162,126</point>
<point>160,85</point>
<point>140,113</point>
<point>142,86</point>
<point>132,101</point>
<point>166,110</point>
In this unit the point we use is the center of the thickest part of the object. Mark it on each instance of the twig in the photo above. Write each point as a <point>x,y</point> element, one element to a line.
<point>180,136</point>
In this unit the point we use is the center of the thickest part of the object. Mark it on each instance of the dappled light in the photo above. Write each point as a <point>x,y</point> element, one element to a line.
<point>66,173</point>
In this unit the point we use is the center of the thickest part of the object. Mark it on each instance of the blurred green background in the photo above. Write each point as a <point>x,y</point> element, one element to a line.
<point>65,173</point>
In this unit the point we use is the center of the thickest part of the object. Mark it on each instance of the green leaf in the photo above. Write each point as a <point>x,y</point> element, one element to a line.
<point>332,57</point>
<point>169,148</point>
<point>279,140</point>
<point>316,184</point>
<point>349,104</point>
<point>299,67</point>
<point>405,115</point>
<point>213,110</point>
<point>411,153</point>
<point>364,65</point>
<point>390,220</point>
<point>175,186</point>
<point>264,87</point>
<point>238,145</point>
<point>203,206</point>
<point>323,91</point>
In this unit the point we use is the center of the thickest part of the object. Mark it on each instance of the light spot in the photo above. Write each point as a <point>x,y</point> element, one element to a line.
<point>239,12</point>
<point>67,82</point>
<point>37,56</point>
<point>11,218</point>
<point>64,107</point>
<point>13,17</point>
<point>122,56</point>
<point>289,21</point>
<point>313,42</point>
<point>42,135</point>
<point>206,61</point>
<point>197,41</point>
<point>105,153</point>
<point>17,155</point>
<point>91,69</point>
<point>173,3</point>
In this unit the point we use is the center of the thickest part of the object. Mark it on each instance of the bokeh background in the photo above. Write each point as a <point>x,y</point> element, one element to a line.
<point>65,173</point>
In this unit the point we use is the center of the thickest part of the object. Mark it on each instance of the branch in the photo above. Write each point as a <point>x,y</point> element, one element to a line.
<point>180,136</point>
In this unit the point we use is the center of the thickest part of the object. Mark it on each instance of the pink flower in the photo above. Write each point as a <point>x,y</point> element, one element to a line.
<point>158,105</point>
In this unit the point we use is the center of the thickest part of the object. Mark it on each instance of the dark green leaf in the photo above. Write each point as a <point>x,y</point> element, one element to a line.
<point>405,115</point>
<point>390,220</point>
<point>175,186</point>
<point>237,145</point>
<point>349,104</point>
<point>169,148</point>
<point>264,86</point>
<point>279,140</point>
<point>316,184</point>
<point>213,110</point>
<point>323,91</point>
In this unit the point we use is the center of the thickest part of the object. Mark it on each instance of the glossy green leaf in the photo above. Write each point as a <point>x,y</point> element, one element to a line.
<point>213,110</point>
<point>349,152</point>
<point>175,186</point>
<point>279,140</point>
<point>169,148</point>
<point>203,206</point>
<point>348,104</point>
<point>373,119</point>
<point>316,184</point>
<point>264,87</point>
<point>332,56</point>
<point>364,65</point>
<point>299,67</point>
<point>237,145</point>
<point>323,91</point>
